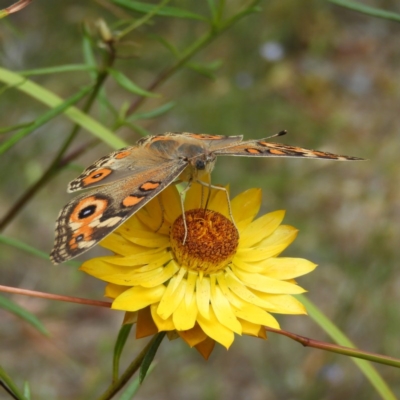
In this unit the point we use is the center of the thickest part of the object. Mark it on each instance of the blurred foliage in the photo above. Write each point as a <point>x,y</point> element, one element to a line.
<point>326,74</point>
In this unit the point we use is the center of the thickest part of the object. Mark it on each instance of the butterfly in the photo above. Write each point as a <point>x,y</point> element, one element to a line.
<point>124,181</point>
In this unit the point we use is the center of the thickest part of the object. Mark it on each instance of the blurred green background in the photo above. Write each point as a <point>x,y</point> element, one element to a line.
<point>329,76</point>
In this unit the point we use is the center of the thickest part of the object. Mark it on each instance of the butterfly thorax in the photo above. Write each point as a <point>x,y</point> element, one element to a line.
<point>200,160</point>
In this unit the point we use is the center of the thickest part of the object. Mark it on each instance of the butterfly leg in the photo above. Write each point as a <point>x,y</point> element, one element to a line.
<point>162,213</point>
<point>182,195</point>
<point>209,186</point>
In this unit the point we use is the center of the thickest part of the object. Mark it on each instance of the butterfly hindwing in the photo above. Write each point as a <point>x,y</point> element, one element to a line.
<point>88,218</point>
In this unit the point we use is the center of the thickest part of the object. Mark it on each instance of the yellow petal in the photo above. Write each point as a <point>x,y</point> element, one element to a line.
<point>185,315</point>
<point>238,288</point>
<point>161,323</point>
<point>136,298</point>
<point>112,291</point>
<point>190,286</point>
<point>144,238</point>
<point>287,268</point>
<point>119,245</point>
<point>146,257</point>
<point>222,309</point>
<point>266,284</point>
<point>130,318</point>
<point>145,324</point>
<point>215,330</point>
<point>152,216</point>
<point>206,347</point>
<point>261,228</point>
<point>249,328</point>
<point>153,275</point>
<point>203,296</point>
<point>196,196</point>
<point>257,316</point>
<point>283,303</point>
<point>219,201</point>
<point>171,298</point>
<point>270,247</point>
<point>246,205</point>
<point>248,267</point>
<point>193,336</point>
<point>171,202</point>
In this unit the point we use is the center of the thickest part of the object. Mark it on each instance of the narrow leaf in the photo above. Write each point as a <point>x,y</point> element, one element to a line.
<point>164,11</point>
<point>148,358</point>
<point>340,338</point>
<point>133,387</point>
<point>46,117</point>
<point>50,99</point>
<point>31,250</point>
<point>17,310</point>
<point>15,127</point>
<point>153,113</point>
<point>10,385</point>
<point>119,346</point>
<point>127,84</point>
<point>374,12</point>
<point>58,69</point>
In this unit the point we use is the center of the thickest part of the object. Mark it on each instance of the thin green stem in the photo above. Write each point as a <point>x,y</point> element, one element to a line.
<point>193,49</point>
<point>132,368</point>
<point>364,9</point>
<point>57,164</point>
<point>141,21</point>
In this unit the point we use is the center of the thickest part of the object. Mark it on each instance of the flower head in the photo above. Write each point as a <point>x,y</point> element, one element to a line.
<point>202,277</point>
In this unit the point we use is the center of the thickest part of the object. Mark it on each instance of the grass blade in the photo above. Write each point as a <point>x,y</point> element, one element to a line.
<point>43,119</point>
<point>372,11</point>
<point>340,338</point>
<point>50,99</point>
<point>17,310</point>
<point>165,11</point>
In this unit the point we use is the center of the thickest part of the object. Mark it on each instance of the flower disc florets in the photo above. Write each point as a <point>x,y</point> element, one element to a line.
<point>208,243</point>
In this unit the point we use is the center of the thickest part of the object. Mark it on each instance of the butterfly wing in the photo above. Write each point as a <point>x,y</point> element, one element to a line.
<point>88,218</point>
<point>114,167</point>
<point>262,148</point>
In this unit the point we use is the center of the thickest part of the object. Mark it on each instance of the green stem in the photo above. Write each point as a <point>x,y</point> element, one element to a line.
<point>57,163</point>
<point>199,44</point>
<point>132,368</point>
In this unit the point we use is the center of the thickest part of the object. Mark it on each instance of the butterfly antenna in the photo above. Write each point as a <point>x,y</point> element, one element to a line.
<point>281,133</point>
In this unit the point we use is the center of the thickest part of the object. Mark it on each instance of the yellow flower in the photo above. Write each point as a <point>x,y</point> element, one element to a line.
<point>209,280</point>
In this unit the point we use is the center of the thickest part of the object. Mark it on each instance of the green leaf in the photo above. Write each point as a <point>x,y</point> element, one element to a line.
<point>127,84</point>
<point>31,250</point>
<point>163,12</point>
<point>131,390</point>
<point>58,69</point>
<point>206,70</point>
<point>10,385</point>
<point>27,391</point>
<point>374,12</point>
<point>15,127</point>
<point>46,117</point>
<point>119,346</point>
<point>148,358</point>
<point>17,310</point>
<point>133,387</point>
<point>50,99</point>
<point>88,54</point>
<point>340,338</point>
<point>153,113</point>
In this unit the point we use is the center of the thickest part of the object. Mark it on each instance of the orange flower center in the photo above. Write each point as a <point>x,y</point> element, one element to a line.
<point>211,240</point>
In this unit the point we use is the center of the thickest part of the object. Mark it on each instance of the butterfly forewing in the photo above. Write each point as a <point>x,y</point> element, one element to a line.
<point>262,148</point>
